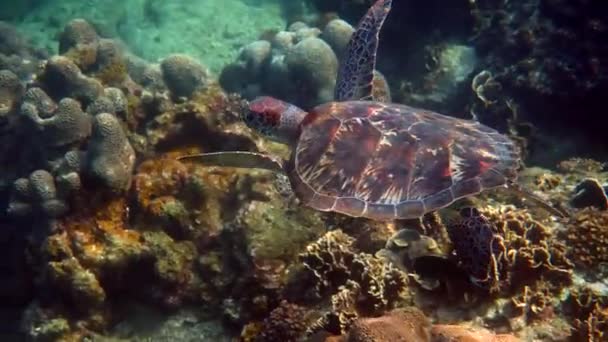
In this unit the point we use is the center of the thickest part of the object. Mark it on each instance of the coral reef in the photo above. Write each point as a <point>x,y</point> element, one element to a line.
<point>457,333</point>
<point>540,58</point>
<point>62,78</point>
<point>93,188</point>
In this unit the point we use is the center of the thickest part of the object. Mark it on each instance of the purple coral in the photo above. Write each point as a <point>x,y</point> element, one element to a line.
<point>110,157</point>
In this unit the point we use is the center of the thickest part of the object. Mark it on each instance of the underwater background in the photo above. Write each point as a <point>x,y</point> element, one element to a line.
<point>106,236</point>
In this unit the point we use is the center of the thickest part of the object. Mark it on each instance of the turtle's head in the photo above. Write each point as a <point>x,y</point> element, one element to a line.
<point>275,119</point>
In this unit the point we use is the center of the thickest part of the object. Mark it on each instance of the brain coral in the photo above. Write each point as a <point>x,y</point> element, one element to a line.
<point>299,67</point>
<point>110,157</point>
<point>77,31</point>
<point>62,78</point>
<point>313,61</point>
<point>11,91</point>
<point>67,124</point>
<point>337,33</point>
<point>36,194</point>
<point>183,75</point>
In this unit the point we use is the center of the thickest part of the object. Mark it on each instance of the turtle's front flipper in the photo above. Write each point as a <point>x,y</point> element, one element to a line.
<point>240,159</point>
<point>356,76</point>
<point>517,189</point>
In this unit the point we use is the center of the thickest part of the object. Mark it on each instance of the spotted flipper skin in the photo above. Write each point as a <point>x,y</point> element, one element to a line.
<point>356,75</point>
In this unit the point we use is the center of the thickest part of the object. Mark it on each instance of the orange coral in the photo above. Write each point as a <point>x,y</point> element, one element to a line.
<point>94,220</point>
<point>399,325</point>
<point>90,254</point>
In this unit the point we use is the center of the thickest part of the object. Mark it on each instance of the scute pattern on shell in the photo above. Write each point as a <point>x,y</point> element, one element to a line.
<point>387,161</point>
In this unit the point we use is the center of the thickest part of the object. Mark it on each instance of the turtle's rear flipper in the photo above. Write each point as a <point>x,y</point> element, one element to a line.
<point>356,75</point>
<point>240,159</point>
<point>517,189</point>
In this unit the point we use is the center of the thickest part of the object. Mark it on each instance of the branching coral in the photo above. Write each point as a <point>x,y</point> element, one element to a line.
<point>589,314</point>
<point>531,253</point>
<point>359,283</point>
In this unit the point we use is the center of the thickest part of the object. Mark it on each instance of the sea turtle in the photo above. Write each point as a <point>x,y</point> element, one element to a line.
<point>365,158</point>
